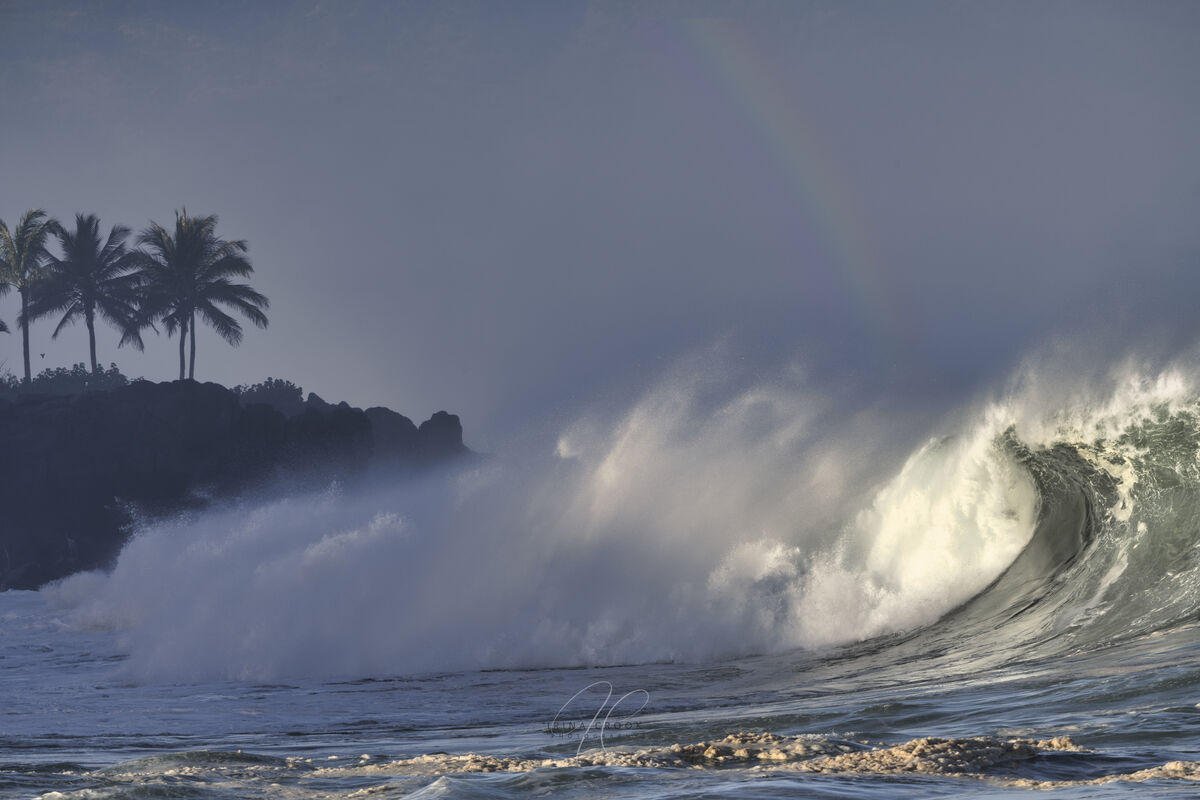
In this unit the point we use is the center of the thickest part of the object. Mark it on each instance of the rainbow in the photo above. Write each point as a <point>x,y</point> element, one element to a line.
<point>809,160</point>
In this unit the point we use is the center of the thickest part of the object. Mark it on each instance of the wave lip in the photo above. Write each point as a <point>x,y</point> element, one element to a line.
<point>1073,501</point>
<point>1113,555</point>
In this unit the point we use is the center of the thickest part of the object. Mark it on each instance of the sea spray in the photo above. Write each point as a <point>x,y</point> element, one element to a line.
<point>711,519</point>
<point>621,548</point>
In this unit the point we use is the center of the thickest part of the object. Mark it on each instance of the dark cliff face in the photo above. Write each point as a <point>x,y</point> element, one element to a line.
<point>71,468</point>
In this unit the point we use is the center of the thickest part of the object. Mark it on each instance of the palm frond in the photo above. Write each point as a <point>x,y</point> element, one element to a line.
<point>225,326</point>
<point>242,298</point>
<point>114,250</point>
<point>74,312</point>
<point>23,249</point>
<point>45,305</point>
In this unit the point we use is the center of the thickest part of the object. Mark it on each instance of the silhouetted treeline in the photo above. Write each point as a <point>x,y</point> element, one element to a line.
<point>174,278</point>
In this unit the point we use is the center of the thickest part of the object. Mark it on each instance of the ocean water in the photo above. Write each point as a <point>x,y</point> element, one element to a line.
<point>727,589</point>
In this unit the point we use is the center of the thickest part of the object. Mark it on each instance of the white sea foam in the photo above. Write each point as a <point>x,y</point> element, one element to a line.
<point>705,521</point>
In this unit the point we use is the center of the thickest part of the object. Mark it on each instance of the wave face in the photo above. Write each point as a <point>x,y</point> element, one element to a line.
<point>1114,553</point>
<point>707,521</point>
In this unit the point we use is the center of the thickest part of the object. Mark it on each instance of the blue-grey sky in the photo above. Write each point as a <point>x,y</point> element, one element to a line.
<point>509,210</point>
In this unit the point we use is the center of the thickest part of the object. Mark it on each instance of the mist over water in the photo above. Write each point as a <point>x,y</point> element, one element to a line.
<point>716,516</point>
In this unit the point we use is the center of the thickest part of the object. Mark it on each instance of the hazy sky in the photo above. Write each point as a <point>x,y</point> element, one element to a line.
<point>510,209</point>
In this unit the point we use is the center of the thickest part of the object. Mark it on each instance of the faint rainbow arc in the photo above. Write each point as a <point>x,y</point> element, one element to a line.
<point>811,164</point>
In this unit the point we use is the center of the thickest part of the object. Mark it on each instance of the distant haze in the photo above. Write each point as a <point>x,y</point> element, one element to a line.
<point>516,210</point>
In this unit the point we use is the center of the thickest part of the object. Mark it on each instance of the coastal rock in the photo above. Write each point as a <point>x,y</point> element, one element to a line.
<point>440,436</point>
<point>394,433</point>
<point>76,467</point>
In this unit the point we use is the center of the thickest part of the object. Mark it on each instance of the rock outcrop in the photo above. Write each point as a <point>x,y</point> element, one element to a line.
<point>73,469</point>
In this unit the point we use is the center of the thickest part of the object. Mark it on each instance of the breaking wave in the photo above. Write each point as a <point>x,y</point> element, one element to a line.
<point>707,521</point>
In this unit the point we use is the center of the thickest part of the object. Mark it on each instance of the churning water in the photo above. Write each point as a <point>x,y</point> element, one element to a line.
<point>748,592</point>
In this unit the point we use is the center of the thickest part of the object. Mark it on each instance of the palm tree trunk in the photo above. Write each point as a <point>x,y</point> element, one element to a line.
<point>25,331</point>
<point>192,365</point>
<point>182,341</point>
<point>91,326</point>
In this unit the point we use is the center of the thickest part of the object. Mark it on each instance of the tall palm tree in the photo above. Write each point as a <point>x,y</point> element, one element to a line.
<point>21,253</point>
<point>188,273</point>
<point>91,276</point>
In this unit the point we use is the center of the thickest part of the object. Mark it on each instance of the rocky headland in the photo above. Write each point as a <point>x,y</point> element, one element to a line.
<point>75,470</point>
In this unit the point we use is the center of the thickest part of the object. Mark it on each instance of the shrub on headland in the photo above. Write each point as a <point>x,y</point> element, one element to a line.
<point>63,381</point>
<point>282,395</point>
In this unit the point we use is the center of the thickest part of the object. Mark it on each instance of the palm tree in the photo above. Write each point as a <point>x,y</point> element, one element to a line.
<point>92,275</point>
<point>21,254</point>
<point>188,273</point>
